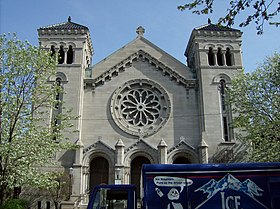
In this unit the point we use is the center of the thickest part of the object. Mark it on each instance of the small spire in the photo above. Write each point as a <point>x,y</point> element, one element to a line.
<point>209,21</point>
<point>162,143</point>
<point>69,19</point>
<point>140,31</point>
<point>119,143</point>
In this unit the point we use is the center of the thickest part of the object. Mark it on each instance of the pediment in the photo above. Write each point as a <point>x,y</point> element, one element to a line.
<point>140,145</point>
<point>138,50</point>
<point>99,145</point>
<point>182,145</point>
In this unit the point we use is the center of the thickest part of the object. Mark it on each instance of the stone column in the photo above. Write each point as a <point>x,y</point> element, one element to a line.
<point>215,57</point>
<point>119,166</point>
<point>162,152</point>
<point>203,150</point>
<point>76,174</point>
<point>65,55</point>
<point>85,184</point>
<point>79,152</point>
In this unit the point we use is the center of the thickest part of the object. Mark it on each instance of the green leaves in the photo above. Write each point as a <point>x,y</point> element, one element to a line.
<point>26,102</point>
<point>255,102</point>
<point>257,11</point>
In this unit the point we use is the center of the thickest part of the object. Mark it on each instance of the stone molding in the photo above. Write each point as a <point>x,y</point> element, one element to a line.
<point>143,56</point>
<point>140,107</point>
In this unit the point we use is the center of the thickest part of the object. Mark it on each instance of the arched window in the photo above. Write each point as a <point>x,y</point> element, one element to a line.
<point>99,172</point>
<point>52,50</point>
<point>222,93</point>
<point>57,108</point>
<point>211,57</point>
<point>61,55</point>
<point>58,93</point>
<point>135,171</point>
<point>226,112</point>
<point>228,57</point>
<point>226,129</point>
<point>70,55</point>
<point>220,60</point>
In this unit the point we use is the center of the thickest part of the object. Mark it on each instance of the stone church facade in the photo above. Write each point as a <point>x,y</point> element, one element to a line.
<point>141,105</point>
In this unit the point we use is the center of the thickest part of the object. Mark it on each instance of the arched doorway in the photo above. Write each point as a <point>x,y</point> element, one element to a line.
<point>135,171</point>
<point>181,160</point>
<point>99,172</point>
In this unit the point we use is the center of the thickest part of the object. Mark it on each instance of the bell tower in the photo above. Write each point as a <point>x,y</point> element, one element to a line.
<point>214,55</point>
<point>72,43</point>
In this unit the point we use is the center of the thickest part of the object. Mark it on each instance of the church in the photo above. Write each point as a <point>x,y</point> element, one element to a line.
<point>140,105</point>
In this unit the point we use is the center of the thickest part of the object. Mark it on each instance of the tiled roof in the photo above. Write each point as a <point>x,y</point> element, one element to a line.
<point>215,27</point>
<point>64,26</point>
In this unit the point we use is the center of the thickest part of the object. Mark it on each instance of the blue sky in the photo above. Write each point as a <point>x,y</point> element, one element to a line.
<point>113,23</point>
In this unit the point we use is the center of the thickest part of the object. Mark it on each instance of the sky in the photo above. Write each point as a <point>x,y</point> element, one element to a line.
<point>112,25</point>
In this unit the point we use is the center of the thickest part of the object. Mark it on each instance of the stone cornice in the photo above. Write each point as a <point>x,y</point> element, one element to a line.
<point>42,32</point>
<point>49,34</point>
<point>180,144</point>
<point>206,34</point>
<point>218,33</point>
<point>95,145</point>
<point>136,144</point>
<point>121,67</point>
<point>224,67</point>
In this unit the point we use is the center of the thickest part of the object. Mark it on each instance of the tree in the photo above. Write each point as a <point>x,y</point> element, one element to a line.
<point>259,11</point>
<point>26,134</point>
<point>57,190</point>
<point>255,99</point>
<point>61,190</point>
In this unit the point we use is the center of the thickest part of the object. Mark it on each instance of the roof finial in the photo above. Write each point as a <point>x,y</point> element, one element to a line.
<point>69,19</point>
<point>140,31</point>
<point>209,21</point>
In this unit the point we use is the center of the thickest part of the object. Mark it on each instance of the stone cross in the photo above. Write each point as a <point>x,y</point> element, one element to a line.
<point>140,31</point>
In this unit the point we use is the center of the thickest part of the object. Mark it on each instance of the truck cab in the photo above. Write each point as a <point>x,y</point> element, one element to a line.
<point>113,197</point>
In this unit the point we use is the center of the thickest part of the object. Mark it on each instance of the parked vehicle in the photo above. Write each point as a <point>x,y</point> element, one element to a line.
<point>197,186</point>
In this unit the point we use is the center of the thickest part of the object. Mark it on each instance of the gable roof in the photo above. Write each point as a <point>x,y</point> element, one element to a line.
<point>139,48</point>
<point>140,144</point>
<point>64,26</point>
<point>181,145</point>
<point>96,145</point>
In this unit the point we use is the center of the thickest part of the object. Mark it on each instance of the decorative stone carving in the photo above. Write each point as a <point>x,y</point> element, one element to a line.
<point>140,107</point>
<point>140,56</point>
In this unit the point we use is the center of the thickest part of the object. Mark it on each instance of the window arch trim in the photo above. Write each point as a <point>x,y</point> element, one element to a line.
<point>61,75</point>
<point>71,44</point>
<point>219,77</point>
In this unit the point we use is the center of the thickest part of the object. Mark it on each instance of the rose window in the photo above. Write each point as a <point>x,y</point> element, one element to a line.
<point>140,107</point>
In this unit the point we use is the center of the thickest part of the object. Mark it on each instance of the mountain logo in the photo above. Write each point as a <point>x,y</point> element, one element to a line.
<point>229,182</point>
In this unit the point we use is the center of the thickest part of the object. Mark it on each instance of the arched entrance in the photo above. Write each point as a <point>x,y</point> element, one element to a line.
<point>181,160</point>
<point>135,171</point>
<point>99,172</point>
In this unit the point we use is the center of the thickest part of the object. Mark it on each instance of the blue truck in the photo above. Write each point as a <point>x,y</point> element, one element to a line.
<point>196,186</point>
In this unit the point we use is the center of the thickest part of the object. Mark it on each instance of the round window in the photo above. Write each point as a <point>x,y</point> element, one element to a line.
<point>140,107</point>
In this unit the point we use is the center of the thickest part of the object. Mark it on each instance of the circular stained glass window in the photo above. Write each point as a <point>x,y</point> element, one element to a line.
<point>140,107</point>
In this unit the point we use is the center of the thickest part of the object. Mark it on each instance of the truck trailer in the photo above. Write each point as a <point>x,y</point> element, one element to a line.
<point>196,186</point>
